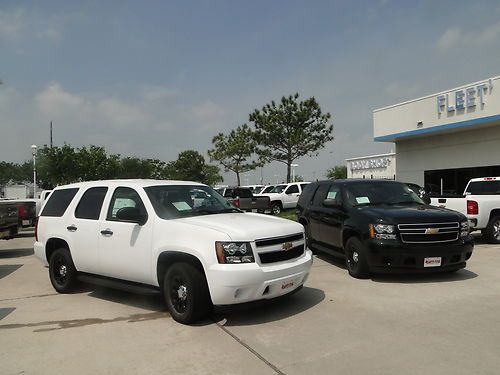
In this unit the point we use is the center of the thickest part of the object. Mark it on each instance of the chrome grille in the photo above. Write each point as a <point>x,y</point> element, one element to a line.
<point>429,232</point>
<point>272,250</point>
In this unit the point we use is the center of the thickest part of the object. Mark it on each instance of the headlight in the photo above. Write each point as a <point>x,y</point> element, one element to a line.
<point>382,231</point>
<point>234,252</point>
<point>464,229</point>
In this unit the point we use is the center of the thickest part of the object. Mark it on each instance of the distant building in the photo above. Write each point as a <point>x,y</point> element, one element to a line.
<point>374,166</point>
<point>17,191</point>
<point>444,139</point>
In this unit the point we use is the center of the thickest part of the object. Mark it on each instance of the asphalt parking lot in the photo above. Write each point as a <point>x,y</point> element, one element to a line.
<point>431,324</point>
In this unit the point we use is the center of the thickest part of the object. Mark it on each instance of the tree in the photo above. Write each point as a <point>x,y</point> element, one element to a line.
<point>290,130</point>
<point>234,151</point>
<point>190,166</point>
<point>337,172</point>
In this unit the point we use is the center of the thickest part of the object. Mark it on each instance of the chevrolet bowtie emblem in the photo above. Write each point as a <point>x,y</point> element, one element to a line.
<point>432,231</point>
<point>286,246</point>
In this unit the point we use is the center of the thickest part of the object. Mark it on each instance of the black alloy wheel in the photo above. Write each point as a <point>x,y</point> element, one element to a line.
<point>62,271</point>
<point>186,293</point>
<point>355,257</point>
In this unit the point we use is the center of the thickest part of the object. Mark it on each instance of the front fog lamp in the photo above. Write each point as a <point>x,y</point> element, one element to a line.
<point>382,231</point>
<point>234,252</point>
<point>464,229</point>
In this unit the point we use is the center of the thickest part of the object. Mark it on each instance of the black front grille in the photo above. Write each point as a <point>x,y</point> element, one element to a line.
<point>278,240</point>
<point>429,232</point>
<point>282,255</point>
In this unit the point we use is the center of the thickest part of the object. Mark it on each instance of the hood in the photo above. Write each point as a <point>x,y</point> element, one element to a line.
<point>401,214</point>
<point>246,226</point>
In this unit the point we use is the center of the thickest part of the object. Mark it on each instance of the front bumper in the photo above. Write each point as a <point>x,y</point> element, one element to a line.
<point>395,256</point>
<point>238,283</point>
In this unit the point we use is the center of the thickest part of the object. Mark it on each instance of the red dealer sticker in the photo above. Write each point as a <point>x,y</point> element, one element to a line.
<point>432,262</point>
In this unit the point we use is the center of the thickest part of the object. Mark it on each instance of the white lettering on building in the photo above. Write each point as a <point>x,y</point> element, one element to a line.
<point>375,163</point>
<point>464,98</point>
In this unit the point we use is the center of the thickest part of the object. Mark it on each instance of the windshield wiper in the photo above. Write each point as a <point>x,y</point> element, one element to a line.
<point>403,202</point>
<point>233,209</point>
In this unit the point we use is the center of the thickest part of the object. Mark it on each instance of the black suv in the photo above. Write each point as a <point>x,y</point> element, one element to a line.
<point>381,225</point>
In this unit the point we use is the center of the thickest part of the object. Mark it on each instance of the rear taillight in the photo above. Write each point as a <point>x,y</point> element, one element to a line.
<point>472,208</point>
<point>36,229</point>
<point>22,211</point>
<point>237,202</point>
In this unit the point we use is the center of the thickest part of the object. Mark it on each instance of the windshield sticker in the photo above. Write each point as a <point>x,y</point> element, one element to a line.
<point>331,195</point>
<point>362,200</point>
<point>181,206</point>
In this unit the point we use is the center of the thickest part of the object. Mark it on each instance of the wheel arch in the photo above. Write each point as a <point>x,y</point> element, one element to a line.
<point>53,244</point>
<point>168,257</point>
<point>349,233</point>
<point>495,212</point>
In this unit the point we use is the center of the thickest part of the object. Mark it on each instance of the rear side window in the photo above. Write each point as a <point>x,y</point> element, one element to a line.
<point>242,193</point>
<point>58,202</point>
<point>90,205</point>
<point>320,195</point>
<point>292,189</point>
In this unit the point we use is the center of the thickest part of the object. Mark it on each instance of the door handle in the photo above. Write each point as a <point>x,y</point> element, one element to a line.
<point>72,228</point>
<point>107,232</point>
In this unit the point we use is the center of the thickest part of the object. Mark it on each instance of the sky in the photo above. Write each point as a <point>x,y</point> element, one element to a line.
<point>154,78</point>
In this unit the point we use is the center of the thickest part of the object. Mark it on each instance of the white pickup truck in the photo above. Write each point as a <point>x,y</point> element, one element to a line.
<point>285,196</point>
<point>480,203</point>
<point>147,234</point>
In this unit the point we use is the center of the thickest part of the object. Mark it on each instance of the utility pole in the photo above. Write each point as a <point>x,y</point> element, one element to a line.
<point>51,134</point>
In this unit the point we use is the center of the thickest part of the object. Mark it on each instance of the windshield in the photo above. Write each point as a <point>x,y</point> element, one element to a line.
<point>278,189</point>
<point>374,193</point>
<point>177,201</point>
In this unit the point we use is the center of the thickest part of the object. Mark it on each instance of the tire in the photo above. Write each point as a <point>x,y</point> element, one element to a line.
<point>276,208</point>
<point>355,259</point>
<point>492,231</point>
<point>62,271</point>
<point>186,293</point>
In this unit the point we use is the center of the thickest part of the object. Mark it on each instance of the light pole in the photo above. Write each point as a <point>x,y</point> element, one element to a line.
<point>293,171</point>
<point>33,152</point>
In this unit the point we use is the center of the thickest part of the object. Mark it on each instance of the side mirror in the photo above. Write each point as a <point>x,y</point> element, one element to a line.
<point>332,203</point>
<point>131,215</point>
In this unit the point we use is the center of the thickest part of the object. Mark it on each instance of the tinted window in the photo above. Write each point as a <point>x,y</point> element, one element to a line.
<point>242,193</point>
<point>307,194</point>
<point>58,202</point>
<point>90,205</point>
<point>125,197</point>
<point>268,189</point>
<point>334,193</point>
<point>303,186</point>
<point>491,187</point>
<point>320,195</point>
<point>292,189</point>
<point>374,193</point>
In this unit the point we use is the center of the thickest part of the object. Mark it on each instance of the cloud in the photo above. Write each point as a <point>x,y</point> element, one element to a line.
<point>153,93</point>
<point>52,33</point>
<point>120,113</point>
<point>12,24</point>
<point>207,111</point>
<point>55,102</point>
<point>449,39</point>
<point>455,36</point>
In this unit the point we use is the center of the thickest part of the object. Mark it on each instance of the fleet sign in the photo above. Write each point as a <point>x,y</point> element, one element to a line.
<point>464,98</point>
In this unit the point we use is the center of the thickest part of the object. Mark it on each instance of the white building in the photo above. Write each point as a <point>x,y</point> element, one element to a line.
<point>375,166</point>
<point>443,140</point>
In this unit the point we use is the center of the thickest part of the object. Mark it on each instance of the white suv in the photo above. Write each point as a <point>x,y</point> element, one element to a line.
<point>285,196</point>
<point>157,234</point>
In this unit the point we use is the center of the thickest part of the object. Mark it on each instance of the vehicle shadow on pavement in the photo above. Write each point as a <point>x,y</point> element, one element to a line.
<point>333,260</point>
<point>269,311</point>
<point>152,302</point>
<point>442,277</point>
<point>15,253</point>
<point>7,269</point>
